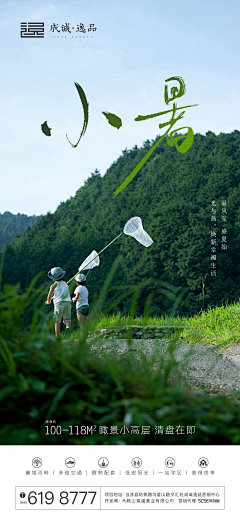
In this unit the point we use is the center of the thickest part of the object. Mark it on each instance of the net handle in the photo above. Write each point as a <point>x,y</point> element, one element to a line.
<point>96,256</point>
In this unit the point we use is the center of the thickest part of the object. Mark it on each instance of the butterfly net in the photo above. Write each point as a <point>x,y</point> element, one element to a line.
<point>90,262</point>
<point>134,228</point>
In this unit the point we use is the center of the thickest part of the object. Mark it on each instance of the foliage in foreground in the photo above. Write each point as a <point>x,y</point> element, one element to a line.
<point>45,379</point>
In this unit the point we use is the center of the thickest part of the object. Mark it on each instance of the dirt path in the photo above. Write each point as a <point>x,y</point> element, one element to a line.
<point>207,366</point>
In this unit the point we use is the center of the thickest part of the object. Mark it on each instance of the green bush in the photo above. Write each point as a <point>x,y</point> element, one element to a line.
<point>45,379</point>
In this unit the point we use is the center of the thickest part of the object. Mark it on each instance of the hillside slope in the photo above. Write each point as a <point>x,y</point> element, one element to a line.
<point>173,195</point>
<point>12,225</point>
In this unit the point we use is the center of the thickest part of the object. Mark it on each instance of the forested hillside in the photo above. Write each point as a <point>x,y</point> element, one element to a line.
<point>173,195</point>
<point>12,225</point>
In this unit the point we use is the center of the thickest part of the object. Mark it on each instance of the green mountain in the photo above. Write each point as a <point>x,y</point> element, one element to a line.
<point>176,195</point>
<point>12,225</point>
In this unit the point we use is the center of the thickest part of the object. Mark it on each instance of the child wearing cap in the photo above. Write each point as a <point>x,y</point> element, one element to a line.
<point>81,299</point>
<point>59,292</point>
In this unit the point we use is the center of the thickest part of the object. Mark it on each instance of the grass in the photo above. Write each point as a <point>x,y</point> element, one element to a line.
<point>219,326</point>
<point>117,320</point>
<point>43,379</point>
<point>123,321</point>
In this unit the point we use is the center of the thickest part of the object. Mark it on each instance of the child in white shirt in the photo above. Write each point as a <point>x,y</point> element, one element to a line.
<point>81,299</point>
<point>59,293</point>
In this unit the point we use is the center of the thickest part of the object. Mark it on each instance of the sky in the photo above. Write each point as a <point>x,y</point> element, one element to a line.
<point>122,69</point>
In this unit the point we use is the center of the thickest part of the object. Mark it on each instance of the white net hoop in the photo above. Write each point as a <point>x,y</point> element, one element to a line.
<point>134,228</point>
<point>90,262</point>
